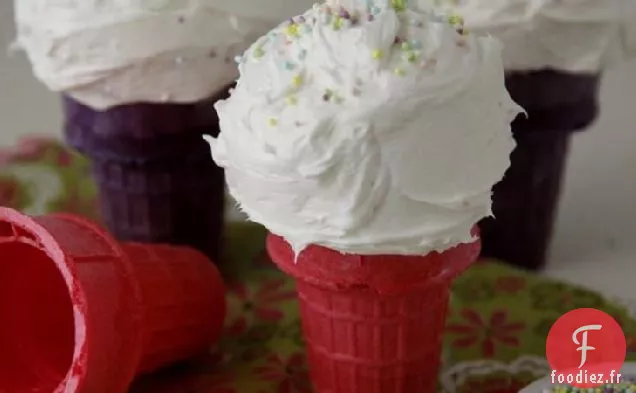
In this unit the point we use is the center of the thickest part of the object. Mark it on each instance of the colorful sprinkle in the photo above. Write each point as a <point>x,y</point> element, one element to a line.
<point>355,18</point>
<point>411,57</point>
<point>272,121</point>
<point>327,95</point>
<point>291,100</point>
<point>456,20</point>
<point>399,71</point>
<point>289,65</point>
<point>406,46</point>
<point>398,5</point>
<point>415,44</point>
<point>377,54</point>
<point>292,30</point>
<point>258,52</point>
<point>338,23</point>
<point>297,81</point>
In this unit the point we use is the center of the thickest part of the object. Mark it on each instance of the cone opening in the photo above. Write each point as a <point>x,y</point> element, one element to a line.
<point>37,335</point>
<point>6,230</point>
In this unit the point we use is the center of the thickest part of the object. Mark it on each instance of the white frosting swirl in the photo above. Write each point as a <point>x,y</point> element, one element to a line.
<point>368,133</point>
<point>106,53</point>
<point>568,35</point>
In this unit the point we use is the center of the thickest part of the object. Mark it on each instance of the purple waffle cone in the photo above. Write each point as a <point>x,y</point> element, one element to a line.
<point>554,101</point>
<point>156,179</point>
<point>525,201</point>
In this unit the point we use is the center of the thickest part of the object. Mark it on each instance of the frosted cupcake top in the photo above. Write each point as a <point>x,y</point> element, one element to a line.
<point>106,53</point>
<point>569,35</point>
<point>371,128</point>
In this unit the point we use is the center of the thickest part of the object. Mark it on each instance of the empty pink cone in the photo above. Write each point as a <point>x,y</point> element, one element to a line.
<point>84,313</point>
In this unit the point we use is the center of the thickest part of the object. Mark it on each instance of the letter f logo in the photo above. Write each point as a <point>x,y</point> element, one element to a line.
<point>583,344</point>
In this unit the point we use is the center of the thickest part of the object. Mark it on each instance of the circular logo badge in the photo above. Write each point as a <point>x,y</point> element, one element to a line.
<point>586,348</point>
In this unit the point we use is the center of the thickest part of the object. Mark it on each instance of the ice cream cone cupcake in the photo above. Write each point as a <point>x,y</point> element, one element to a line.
<point>366,137</point>
<point>554,55</point>
<point>139,79</point>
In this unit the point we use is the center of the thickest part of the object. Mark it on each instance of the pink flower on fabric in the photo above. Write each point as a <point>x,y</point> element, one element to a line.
<point>262,303</point>
<point>486,332</point>
<point>289,373</point>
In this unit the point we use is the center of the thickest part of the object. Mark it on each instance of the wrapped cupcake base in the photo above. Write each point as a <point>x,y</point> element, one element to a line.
<point>373,323</point>
<point>156,179</point>
<point>525,201</point>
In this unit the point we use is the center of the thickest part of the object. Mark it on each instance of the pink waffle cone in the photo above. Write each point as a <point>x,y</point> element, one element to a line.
<point>373,323</point>
<point>86,314</point>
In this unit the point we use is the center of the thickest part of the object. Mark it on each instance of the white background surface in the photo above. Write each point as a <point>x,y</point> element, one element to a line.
<point>595,238</point>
